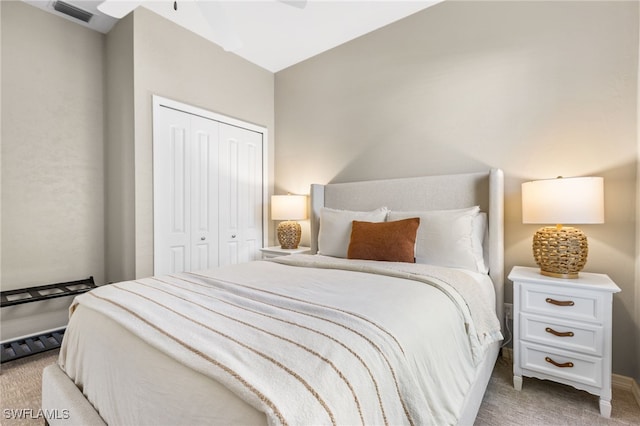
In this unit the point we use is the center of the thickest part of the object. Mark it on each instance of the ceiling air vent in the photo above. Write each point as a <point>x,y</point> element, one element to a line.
<point>73,11</point>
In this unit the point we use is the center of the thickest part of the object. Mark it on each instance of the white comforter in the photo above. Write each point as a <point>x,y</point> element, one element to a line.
<point>318,340</point>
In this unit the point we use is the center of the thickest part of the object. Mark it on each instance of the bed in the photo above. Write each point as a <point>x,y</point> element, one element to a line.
<point>332,338</point>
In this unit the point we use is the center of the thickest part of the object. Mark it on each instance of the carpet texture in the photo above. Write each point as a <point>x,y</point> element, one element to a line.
<point>539,403</point>
<point>21,389</point>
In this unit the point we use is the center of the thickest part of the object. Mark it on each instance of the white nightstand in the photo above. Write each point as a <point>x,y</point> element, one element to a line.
<point>275,251</point>
<point>562,330</point>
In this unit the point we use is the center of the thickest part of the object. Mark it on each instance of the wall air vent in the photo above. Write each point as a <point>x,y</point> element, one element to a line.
<point>73,11</point>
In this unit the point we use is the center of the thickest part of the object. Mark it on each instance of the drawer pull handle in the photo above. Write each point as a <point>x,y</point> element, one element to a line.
<point>559,333</point>
<point>559,302</point>
<point>565,365</point>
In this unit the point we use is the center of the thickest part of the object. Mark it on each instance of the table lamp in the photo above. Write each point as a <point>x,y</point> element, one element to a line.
<point>561,251</point>
<point>289,208</point>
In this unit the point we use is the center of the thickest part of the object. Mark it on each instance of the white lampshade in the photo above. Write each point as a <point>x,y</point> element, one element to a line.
<point>288,207</point>
<point>577,200</point>
<point>562,251</point>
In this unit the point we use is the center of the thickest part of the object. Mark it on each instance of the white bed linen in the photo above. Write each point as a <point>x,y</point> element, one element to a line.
<point>113,383</point>
<point>461,285</point>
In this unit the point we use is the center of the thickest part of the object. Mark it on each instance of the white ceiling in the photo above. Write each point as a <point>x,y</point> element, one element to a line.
<point>273,34</point>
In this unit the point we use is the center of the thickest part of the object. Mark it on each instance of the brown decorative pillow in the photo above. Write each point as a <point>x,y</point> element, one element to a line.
<point>388,241</point>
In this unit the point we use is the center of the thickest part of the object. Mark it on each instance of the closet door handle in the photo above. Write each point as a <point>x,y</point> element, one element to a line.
<point>559,302</point>
<point>233,236</point>
<point>559,333</point>
<point>203,238</point>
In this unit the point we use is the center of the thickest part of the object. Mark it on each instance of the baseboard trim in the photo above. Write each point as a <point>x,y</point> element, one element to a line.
<point>628,384</point>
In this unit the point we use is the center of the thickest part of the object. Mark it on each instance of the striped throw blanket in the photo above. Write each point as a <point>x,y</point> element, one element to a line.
<point>291,350</point>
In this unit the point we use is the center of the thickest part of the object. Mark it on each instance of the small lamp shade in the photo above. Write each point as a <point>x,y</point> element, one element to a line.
<point>562,251</point>
<point>289,208</point>
<point>563,200</point>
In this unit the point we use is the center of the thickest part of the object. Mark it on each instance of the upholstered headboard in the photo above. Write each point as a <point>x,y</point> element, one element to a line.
<point>425,193</point>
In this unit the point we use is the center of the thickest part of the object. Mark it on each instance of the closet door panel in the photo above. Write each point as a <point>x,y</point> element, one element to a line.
<point>228,171</point>
<point>252,196</point>
<point>240,194</point>
<point>204,187</point>
<point>177,259</point>
<point>172,193</point>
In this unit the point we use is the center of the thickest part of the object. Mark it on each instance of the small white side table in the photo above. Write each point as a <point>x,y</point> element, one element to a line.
<point>275,251</point>
<point>562,331</point>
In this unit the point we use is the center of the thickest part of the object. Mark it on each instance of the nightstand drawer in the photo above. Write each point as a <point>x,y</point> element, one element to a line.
<point>573,336</point>
<point>561,364</point>
<point>581,305</point>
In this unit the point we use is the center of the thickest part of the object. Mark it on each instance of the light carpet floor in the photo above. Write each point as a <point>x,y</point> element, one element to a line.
<point>539,403</point>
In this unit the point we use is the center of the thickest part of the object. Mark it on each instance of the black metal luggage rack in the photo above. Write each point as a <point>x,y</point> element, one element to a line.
<point>38,343</point>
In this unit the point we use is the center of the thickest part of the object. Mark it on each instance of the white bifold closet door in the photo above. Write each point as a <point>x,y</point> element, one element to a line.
<point>207,193</point>
<point>240,197</point>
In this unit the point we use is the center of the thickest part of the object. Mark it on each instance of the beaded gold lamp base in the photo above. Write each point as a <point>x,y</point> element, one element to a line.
<point>559,251</point>
<point>289,233</point>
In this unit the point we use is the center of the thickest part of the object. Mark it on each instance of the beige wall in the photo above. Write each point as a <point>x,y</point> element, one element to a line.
<point>76,144</point>
<point>148,55</point>
<point>52,149</point>
<point>119,162</point>
<point>538,89</point>
<point>174,63</point>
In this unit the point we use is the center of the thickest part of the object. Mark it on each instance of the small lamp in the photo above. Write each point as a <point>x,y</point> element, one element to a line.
<point>562,251</point>
<point>289,208</point>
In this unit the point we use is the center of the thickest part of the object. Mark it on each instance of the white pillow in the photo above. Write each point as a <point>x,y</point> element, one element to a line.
<point>335,228</point>
<point>480,242</point>
<point>451,238</point>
